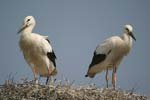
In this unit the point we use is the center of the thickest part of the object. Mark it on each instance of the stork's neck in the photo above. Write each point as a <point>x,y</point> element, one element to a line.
<point>28,30</point>
<point>127,39</point>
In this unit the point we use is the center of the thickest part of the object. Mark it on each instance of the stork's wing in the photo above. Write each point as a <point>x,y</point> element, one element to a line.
<point>101,52</point>
<point>46,38</point>
<point>44,46</point>
<point>97,59</point>
<point>51,55</point>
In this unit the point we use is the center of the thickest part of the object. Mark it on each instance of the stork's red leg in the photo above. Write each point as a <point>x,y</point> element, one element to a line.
<point>114,78</point>
<point>34,73</point>
<point>107,77</point>
<point>49,73</point>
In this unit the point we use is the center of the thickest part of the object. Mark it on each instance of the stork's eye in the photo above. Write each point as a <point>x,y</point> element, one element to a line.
<point>28,20</point>
<point>127,29</point>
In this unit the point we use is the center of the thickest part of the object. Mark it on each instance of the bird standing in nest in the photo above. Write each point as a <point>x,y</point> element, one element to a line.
<point>110,53</point>
<point>37,50</point>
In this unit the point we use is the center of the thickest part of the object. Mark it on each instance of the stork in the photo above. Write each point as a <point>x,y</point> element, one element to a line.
<point>109,54</point>
<point>37,50</point>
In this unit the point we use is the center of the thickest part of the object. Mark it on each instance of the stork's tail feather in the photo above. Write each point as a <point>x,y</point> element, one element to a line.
<point>54,72</point>
<point>86,75</point>
<point>91,75</point>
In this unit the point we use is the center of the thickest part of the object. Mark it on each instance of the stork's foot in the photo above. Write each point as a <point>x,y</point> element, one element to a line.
<point>36,81</point>
<point>50,80</point>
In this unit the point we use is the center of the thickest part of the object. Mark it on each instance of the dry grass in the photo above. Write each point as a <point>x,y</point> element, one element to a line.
<point>57,91</point>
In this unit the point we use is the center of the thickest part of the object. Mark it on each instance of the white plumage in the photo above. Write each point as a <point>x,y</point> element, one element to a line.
<point>110,53</point>
<point>37,50</point>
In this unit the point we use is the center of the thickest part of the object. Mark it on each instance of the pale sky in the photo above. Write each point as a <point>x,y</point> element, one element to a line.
<point>75,28</point>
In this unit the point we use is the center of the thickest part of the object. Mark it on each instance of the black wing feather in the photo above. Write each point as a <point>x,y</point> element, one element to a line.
<point>51,55</point>
<point>48,40</point>
<point>97,58</point>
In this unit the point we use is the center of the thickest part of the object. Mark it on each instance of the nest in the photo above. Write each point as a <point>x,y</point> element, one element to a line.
<point>27,90</point>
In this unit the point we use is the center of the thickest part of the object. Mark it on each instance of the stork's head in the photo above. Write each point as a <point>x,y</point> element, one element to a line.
<point>28,24</point>
<point>129,31</point>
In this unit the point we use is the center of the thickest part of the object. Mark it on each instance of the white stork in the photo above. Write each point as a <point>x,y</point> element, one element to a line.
<point>37,50</point>
<point>110,53</point>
